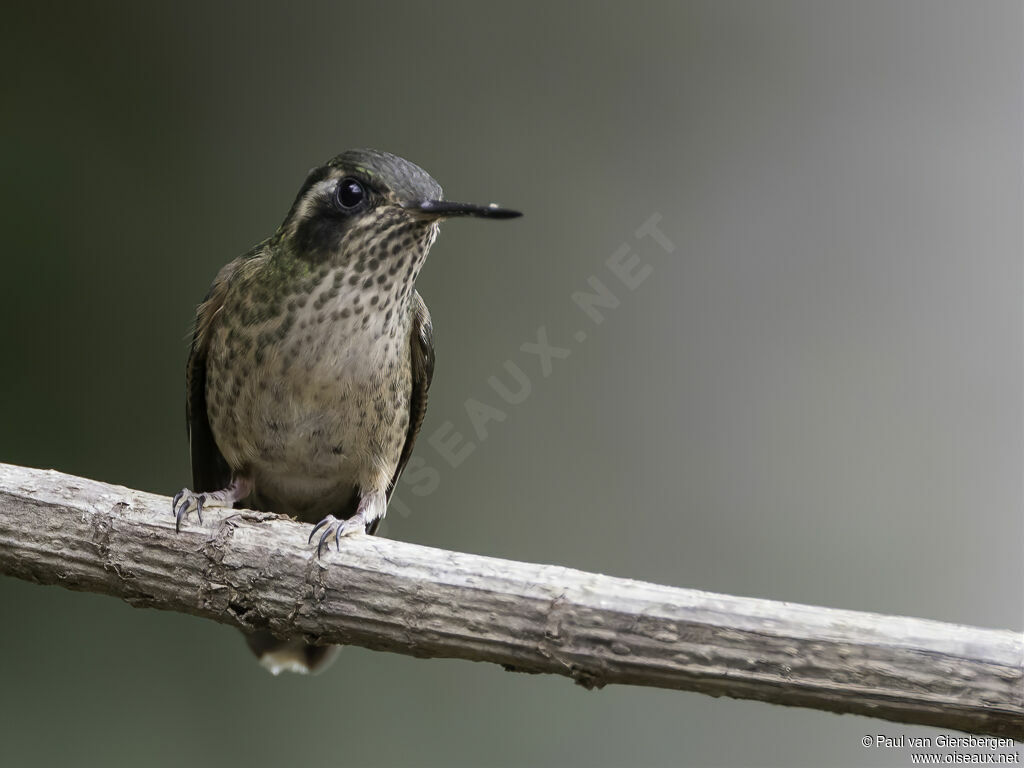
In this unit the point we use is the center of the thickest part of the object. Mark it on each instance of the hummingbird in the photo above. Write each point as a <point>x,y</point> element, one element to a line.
<point>311,358</point>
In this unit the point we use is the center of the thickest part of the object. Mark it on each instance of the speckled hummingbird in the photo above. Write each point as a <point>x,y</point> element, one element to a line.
<point>311,359</point>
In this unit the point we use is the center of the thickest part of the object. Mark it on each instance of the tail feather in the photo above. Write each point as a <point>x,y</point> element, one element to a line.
<point>279,655</point>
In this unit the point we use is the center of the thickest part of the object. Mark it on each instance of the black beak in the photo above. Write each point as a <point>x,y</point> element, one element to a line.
<point>443,209</point>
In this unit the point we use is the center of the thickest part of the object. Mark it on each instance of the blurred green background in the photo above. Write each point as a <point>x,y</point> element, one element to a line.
<point>816,397</point>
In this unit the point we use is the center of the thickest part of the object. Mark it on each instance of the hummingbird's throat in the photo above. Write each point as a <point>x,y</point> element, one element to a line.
<point>366,288</point>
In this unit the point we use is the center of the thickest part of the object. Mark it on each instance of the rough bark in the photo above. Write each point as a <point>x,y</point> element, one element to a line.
<point>254,570</point>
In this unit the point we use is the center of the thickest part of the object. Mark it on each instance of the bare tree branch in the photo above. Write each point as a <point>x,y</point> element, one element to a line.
<point>254,570</point>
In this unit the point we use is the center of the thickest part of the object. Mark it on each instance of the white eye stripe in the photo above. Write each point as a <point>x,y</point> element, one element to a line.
<point>320,192</point>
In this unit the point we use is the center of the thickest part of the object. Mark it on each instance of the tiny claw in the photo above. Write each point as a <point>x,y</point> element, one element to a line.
<point>320,545</point>
<point>316,528</point>
<point>186,500</point>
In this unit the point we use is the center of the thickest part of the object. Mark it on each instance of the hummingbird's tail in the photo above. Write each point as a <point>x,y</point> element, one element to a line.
<point>279,655</point>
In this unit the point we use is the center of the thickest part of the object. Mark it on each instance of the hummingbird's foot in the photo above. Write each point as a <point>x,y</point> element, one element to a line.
<point>371,508</point>
<point>185,500</point>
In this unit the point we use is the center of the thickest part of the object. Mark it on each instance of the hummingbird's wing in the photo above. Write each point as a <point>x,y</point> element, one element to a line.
<point>421,343</point>
<point>210,471</point>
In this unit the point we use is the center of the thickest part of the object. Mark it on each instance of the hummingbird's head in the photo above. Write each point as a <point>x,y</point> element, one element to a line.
<point>370,205</point>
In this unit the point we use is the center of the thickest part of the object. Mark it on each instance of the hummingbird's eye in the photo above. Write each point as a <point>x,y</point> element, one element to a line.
<point>350,194</point>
